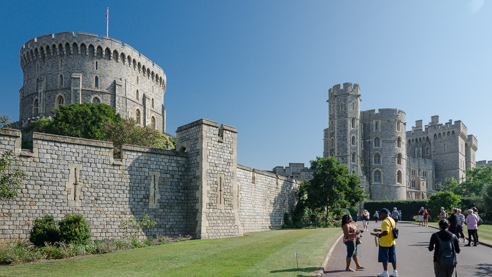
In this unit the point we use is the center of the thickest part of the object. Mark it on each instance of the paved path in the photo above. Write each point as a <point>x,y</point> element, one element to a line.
<point>413,256</point>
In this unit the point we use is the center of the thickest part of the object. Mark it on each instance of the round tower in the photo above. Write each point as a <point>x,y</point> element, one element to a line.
<point>67,68</point>
<point>385,156</point>
<point>343,136</point>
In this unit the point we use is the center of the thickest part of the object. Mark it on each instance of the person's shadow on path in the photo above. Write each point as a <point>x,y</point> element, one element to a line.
<point>484,270</point>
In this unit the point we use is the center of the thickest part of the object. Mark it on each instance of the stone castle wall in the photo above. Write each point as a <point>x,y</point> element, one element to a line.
<point>80,67</point>
<point>198,189</point>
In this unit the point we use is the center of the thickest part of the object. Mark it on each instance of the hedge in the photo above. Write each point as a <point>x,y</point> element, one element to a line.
<point>408,208</point>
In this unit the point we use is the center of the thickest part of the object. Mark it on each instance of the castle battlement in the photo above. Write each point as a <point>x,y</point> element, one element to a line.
<point>438,129</point>
<point>383,114</point>
<point>347,88</point>
<point>472,142</point>
<point>71,43</point>
<point>484,163</point>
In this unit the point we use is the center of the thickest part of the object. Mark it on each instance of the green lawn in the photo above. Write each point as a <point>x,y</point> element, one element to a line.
<point>484,231</point>
<point>255,254</point>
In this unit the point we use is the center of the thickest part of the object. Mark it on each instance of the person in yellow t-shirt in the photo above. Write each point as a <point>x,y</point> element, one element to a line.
<point>387,250</point>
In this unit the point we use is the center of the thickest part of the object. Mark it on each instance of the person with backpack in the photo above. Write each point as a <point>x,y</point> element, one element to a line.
<point>387,243</point>
<point>445,245</point>
<point>472,224</point>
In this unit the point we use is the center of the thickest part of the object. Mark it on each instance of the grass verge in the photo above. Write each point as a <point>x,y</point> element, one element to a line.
<point>484,231</point>
<point>255,254</point>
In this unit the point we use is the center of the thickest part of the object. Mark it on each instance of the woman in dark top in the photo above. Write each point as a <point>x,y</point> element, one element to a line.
<point>453,221</point>
<point>444,235</point>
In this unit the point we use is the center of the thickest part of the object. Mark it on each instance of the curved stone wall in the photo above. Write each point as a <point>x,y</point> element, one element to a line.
<point>67,68</point>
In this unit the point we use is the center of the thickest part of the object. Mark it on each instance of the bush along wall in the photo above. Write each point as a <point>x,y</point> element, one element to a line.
<point>408,208</point>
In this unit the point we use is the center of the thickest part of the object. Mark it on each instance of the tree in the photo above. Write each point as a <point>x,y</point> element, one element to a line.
<point>127,132</point>
<point>10,180</point>
<point>446,199</point>
<point>476,180</point>
<point>4,121</point>
<point>83,120</point>
<point>332,186</point>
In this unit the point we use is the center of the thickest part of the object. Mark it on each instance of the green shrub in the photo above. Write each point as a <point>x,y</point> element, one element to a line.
<point>74,229</point>
<point>287,219</point>
<point>44,230</point>
<point>409,208</point>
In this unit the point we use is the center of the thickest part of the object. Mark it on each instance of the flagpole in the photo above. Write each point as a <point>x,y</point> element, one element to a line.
<point>107,22</point>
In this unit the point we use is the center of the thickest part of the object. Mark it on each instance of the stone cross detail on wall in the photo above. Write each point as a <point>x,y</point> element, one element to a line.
<point>154,194</point>
<point>220,191</point>
<point>74,186</point>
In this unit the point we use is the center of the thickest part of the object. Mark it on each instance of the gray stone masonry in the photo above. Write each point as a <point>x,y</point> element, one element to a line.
<point>198,189</point>
<point>67,68</point>
<point>394,163</point>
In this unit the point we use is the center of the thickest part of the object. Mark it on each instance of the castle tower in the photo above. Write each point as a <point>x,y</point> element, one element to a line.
<point>67,68</point>
<point>385,159</point>
<point>343,137</point>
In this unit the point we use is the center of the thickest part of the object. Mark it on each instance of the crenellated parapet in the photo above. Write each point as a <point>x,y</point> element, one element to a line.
<point>347,88</point>
<point>436,130</point>
<point>472,142</point>
<point>90,45</point>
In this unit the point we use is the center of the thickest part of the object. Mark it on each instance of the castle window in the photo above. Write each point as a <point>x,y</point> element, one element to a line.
<point>376,125</point>
<point>137,79</point>
<point>332,125</point>
<point>398,142</point>
<point>60,80</point>
<point>60,64</point>
<point>137,95</point>
<point>377,176</point>
<point>96,82</point>
<point>353,106</point>
<point>35,107</point>
<point>354,157</point>
<point>398,126</point>
<point>353,140</point>
<point>353,122</point>
<point>414,174</point>
<point>398,158</point>
<point>362,162</point>
<point>445,147</point>
<point>152,122</point>
<point>427,150</point>
<point>96,100</point>
<point>376,142</point>
<point>332,142</point>
<point>152,103</point>
<point>37,68</point>
<point>59,101</point>
<point>399,177</point>
<point>96,65</point>
<point>377,159</point>
<point>137,115</point>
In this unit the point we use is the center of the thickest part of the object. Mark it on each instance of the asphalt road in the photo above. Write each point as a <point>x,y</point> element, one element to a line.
<point>412,254</point>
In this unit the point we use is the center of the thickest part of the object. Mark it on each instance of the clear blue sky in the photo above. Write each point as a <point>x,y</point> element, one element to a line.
<point>265,67</point>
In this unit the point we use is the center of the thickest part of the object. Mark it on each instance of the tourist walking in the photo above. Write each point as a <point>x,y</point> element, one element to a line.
<point>442,242</point>
<point>394,215</point>
<point>376,216</point>
<point>426,218</point>
<point>387,249</point>
<point>475,212</point>
<point>459,225</point>
<point>365,220</point>
<point>472,224</point>
<point>350,233</point>
<point>453,221</point>
<point>421,216</point>
<point>443,214</point>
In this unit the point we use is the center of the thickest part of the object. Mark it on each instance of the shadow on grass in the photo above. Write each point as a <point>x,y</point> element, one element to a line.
<point>300,270</point>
